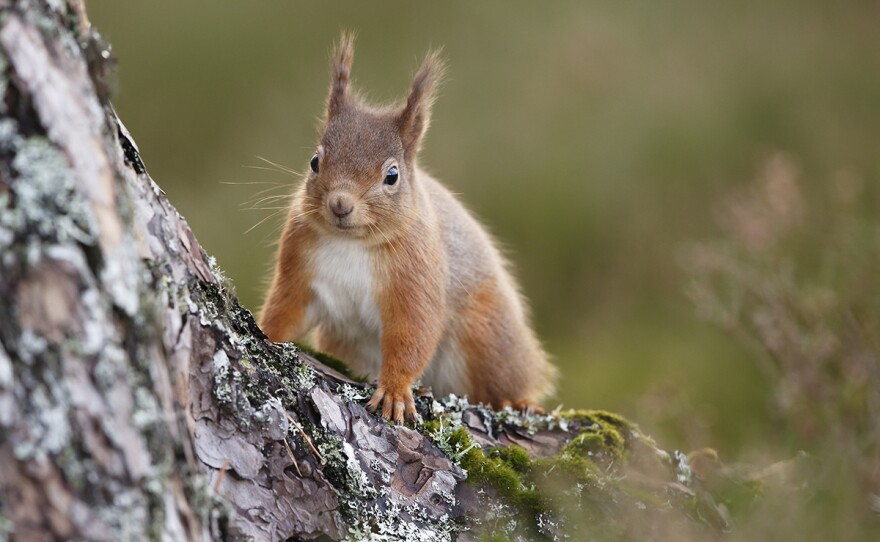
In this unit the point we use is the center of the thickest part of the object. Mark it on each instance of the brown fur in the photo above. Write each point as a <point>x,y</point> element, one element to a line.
<point>437,285</point>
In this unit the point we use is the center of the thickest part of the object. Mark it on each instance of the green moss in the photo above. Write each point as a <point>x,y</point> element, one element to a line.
<point>491,471</point>
<point>334,363</point>
<point>603,445</point>
<point>584,483</point>
<point>502,469</point>
<point>515,456</point>
<point>567,466</point>
<point>431,427</point>
<point>644,496</point>
<point>602,418</point>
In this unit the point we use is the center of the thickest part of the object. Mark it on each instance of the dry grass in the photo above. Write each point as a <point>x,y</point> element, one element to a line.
<point>794,278</point>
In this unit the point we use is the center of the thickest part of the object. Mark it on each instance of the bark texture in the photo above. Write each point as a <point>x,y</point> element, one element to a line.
<point>138,400</point>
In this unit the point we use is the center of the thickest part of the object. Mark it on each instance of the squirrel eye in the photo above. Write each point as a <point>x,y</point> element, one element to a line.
<point>391,176</point>
<point>314,163</point>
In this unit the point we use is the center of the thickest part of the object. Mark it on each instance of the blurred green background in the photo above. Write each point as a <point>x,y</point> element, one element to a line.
<point>594,139</point>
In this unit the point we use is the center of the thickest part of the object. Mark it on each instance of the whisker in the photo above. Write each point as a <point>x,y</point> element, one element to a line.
<point>307,213</point>
<point>387,240</point>
<point>261,221</point>
<point>364,192</point>
<point>280,167</point>
<point>460,283</point>
<point>273,169</point>
<point>250,182</point>
<point>370,227</point>
<point>266,199</point>
<point>271,188</point>
<point>288,189</point>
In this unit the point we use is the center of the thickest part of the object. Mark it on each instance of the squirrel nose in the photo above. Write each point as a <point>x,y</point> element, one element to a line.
<point>341,206</point>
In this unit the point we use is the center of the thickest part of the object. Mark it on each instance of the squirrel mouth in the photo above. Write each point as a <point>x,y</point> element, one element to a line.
<point>344,226</point>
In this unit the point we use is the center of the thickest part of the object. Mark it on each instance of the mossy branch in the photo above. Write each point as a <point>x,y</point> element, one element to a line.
<point>139,400</point>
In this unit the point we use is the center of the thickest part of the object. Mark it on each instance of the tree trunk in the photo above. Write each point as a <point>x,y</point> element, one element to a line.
<point>139,400</point>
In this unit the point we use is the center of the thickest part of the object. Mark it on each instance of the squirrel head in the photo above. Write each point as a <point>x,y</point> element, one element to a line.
<point>361,180</point>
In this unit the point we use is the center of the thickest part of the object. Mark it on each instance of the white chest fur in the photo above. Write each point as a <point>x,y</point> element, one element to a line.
<point>343,287</point>
<point>344,305</point>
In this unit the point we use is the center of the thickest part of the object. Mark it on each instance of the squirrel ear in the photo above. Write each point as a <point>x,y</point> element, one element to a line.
<point>340,73</point>
<point>416,114</point>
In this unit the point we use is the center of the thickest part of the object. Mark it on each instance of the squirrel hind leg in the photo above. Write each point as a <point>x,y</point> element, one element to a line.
<point>529,407</point>
<point>506,366</point>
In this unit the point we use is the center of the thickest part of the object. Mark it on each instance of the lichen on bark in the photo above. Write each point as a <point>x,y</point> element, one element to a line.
<point>139,400</point>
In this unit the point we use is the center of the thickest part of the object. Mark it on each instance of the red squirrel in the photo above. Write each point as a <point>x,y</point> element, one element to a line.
<point>390,270</point>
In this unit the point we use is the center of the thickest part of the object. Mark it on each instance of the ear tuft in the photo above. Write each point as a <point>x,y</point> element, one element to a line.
<point>340,72</point>
<point>416,114</point>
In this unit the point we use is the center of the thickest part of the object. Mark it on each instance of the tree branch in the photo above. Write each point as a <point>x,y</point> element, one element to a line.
<point>138,399</point>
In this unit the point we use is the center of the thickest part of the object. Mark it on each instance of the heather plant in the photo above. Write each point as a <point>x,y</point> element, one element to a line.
<point>794,279</point>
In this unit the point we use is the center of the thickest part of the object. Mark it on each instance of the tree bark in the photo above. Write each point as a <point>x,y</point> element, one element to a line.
<point>139,400</point>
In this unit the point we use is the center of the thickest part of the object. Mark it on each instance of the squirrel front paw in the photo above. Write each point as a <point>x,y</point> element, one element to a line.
<point>396,403</point>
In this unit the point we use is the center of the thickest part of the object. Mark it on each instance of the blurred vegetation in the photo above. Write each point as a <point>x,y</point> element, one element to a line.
<point>794,279</point>
<point>597,140</point>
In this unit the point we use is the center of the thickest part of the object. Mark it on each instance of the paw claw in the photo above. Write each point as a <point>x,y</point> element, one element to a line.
<point>373,404</point>
<point>528,407</point>
<point>388,406</point>
<point>396,405</point>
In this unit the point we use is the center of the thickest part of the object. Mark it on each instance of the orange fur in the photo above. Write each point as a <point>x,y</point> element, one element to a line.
<point>501,372</point>
<point>284,310</point>
<point>384,281</point>
<point>411,303</point>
